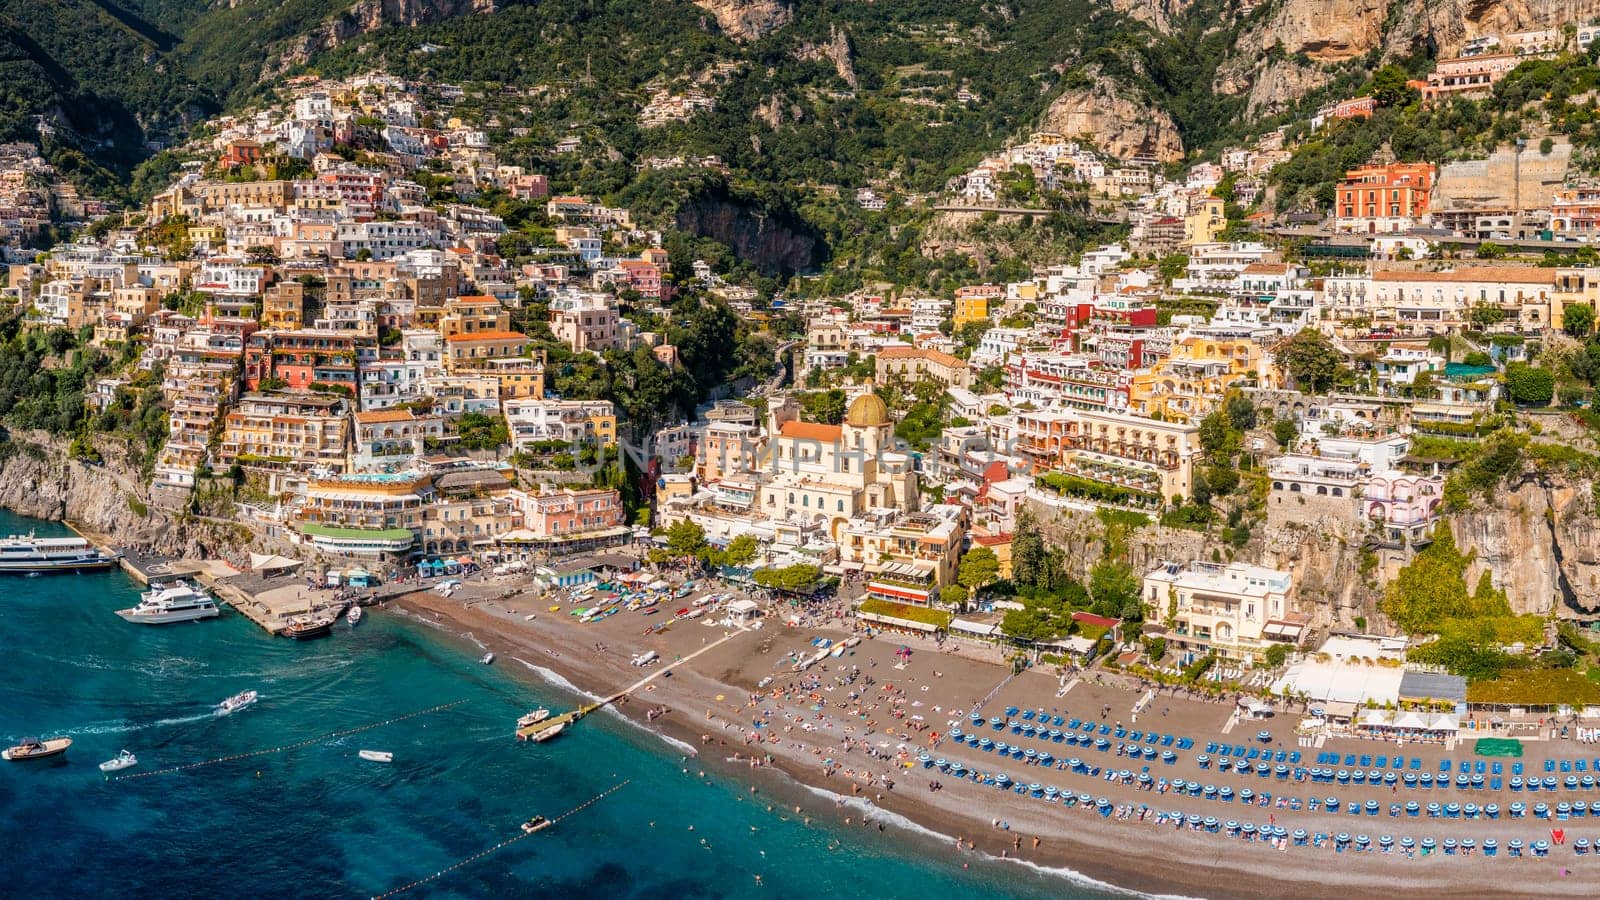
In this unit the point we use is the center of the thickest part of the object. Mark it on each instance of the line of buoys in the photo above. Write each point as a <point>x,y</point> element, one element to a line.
<point>296,746</point>
<point>502,845</point>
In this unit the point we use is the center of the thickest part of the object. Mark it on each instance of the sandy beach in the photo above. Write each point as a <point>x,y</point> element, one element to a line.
<point>852,727</point>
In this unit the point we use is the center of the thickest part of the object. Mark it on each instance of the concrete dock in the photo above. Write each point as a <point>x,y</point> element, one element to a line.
<point>531,732</point>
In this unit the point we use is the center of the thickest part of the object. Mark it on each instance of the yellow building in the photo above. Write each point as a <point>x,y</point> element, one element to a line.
<point>969,309</point>
<point>1189,384</point>
<point>1205,222</point>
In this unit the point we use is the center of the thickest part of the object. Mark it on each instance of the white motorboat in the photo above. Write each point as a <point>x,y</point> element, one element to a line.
<point>488,659</point>
<point>354,615</point>
<point>26,554</point>
<point>549,733</point>
<point>164,604</point>
<point>533,718</point>
<point>236,702</point>
<point>123,760</point>
<point>382,756</point>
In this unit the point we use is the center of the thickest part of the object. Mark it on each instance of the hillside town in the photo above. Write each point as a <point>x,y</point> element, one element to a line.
<point>352,362</point>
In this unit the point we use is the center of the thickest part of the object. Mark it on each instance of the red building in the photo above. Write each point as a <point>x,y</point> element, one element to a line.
<point>1378,199</point>
<point>300,359</point>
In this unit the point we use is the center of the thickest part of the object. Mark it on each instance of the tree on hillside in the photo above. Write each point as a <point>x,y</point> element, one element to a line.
<point>1313,364</point>
<point>1241,412</point>
<point>1577,319</point>
<point>1432,589</point>
<point>1389,86</point>
<point>1529,385</point>
<point>1114,590</point>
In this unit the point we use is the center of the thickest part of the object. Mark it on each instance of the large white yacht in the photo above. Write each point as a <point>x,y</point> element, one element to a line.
<point>24,553</point>
<point>176,602</point>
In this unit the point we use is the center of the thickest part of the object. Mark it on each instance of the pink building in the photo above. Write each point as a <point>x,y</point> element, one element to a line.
<point>1404,506</point>
<point>568,512</point>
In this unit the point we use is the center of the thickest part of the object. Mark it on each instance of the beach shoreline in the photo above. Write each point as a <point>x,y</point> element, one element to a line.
<point>1168,861</point>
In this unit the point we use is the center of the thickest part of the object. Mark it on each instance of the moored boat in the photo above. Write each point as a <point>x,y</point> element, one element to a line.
<point>123,760</point>
<point>533,718</point>
<point>164,604</point>
<point>237,702</point>
<point>537,823</point>
<point>304,628</point>
<point>26,554</point>
<point>382,756</point>
<point>354,615</point>
<point>548,733</point>
<point>34,748</point>
<point>488,659</point>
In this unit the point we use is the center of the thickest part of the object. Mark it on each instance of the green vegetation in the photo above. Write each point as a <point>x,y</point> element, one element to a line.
<point>800,578</point>
<point>936,617</point>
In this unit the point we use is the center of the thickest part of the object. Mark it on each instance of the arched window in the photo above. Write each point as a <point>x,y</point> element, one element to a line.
<point>805,500</point>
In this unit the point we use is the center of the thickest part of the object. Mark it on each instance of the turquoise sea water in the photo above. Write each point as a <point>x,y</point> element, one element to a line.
<point>318,822</point>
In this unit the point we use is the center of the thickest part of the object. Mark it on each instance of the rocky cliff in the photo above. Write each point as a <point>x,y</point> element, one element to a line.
<point>370,15</point>
<point>39,479</point>
<point>835,50</point>
<point>1117,119</point>
<point>775,241</point>
<point>1158,14</point>
<point>748,19</point>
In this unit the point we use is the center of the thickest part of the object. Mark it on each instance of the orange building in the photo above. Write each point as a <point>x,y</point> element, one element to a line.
<point>1378,199</point>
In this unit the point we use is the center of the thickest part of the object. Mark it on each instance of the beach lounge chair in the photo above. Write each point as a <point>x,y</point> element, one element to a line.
<point>1294,757</point>
<point>1444,766</point>
<point>1254,753</point>
<point>1105,729</point>
<point>1150,737</point>
<point>1058,722</point>
<point>1516,768</point>
<point>1549,765</point>
<point>1566,765</point>
<point>1465,767</point>
<point>1581,765</point>
<point>1166,740</point>
<point>1366,762</point>
<point>1497,769</point>
<point>1416,764</point>
<point>1479,767</point>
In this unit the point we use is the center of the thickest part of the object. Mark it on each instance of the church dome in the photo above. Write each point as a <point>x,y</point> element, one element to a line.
<point>867,411</point>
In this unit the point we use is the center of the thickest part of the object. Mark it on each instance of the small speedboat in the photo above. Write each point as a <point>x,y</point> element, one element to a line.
<point>123,760</point>
<point>376,755</point>
<point>550,732</point>
<point>537,823</point>
<point>34,748</point>
<point>533,718</point>
<point>237,702</point>
<point>354,615</point>
<point>488,659</point>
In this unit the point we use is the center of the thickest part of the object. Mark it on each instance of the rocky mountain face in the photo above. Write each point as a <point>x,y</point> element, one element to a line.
<point>367,16</point>
<point>1116,118</point>
<point>748,19</point>
<point>1535,538</point>
<point>1294,48</point>
<point>775,243</point>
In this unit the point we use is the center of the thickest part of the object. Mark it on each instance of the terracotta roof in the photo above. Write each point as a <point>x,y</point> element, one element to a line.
<point>380,416</point>
<point>1265,269</point>
<point>487,336</point>
<point>811,431</point>
<point>933,356</point>
<point>1509,274</point>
